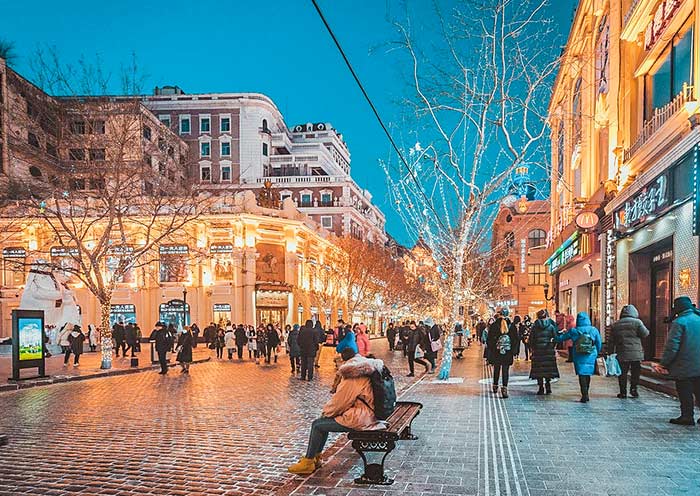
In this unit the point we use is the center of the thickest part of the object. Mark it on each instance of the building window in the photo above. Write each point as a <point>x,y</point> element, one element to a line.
<point>305,200</point>
<point>225,149</point>
<point>673,70</point>
<point>147,133</point>
<point>204,124</point>
<point>78,184</point>
<point>77,127</point>
<point>162,167</point>
<point>561,143</point>
<point>35,171</point>
<point>284,196</point>
<point>205,149</point>
<point>225,124</point>
<point>509,240</point>
<point>576,112</point>
<point>14,272</point>
<point>52,150</point>
<point>185,124</point>
<point>97,153</point>
<point>76,154</point>
<point>97,127</point>
<point>173,263</point>
<point>536,238</point>
<point>226,173</point>
<point>508,274</point>
<point>536,274</point>
<point>205,173</point>
<point>265,152</point>
<point>165,119</point>
<point>326,199</point>
<point>327,221</point>
<point>33,140</point>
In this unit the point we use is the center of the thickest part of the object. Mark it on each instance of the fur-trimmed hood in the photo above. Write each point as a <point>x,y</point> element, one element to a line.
<point>359,366</point>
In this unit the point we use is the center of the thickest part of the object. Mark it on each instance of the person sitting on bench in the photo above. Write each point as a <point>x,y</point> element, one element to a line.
<point>351,408</point>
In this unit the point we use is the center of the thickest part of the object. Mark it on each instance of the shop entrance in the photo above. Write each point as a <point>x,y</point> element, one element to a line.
<point>651,292</point>
<point>271,316</point>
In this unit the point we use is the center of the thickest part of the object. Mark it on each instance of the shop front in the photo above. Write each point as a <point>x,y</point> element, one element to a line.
<point>123,313</point>
<point>272,306</point>
<point>222,313</point>
<point>173,312</point>
<point>655,251</point>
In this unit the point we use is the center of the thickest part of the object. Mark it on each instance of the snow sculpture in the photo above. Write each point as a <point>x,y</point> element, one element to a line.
<point>48,291</point>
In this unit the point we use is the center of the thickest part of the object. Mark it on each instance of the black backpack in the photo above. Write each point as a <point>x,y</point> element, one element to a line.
<point>384,393</point>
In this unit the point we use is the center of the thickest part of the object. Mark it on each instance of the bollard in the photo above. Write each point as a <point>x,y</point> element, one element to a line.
<point>154,358</point>
<point>134,361</point>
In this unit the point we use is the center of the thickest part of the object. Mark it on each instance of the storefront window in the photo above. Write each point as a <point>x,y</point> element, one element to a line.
<point>673,70</point>
<point>14,266</point>
<point>115,265</point>
<point>173,263</point>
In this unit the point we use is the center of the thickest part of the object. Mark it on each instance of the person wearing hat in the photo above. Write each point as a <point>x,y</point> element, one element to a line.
<point>76,338</point>
<point>681,357</point>
<point>163,345</point>
<point>501,341</point>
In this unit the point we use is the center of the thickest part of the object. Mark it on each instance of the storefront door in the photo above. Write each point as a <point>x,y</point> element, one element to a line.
<point>272,316</point>
<point>661,299</point>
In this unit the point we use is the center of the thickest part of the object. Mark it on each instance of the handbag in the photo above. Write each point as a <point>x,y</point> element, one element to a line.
<point>435,345</point>
<point>613,366</point>
<point>600,367</point>
<point>419,352</point>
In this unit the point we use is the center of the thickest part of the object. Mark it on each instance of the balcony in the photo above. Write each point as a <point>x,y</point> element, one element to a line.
<point>296,179</point>
<point>660,117</point>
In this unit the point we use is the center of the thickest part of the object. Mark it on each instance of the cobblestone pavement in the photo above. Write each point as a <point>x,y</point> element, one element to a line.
<point>90,363</point>
<point>227,428</point>
<point>472,443</point>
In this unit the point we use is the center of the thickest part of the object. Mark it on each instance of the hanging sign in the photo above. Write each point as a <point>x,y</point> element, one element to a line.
<point>64,251</point>
<point>222,307</point>
<point>221,248</point>
<point>649,201</point>
<point>610,278</point>
<point>569,250</point>
<point>173,249</point>
<point>121,250</point>
<point>587,220</point>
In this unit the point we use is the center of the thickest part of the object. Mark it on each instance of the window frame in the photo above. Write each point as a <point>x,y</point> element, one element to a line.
<point>185,118</point>
<point>542,238</point>
<point>330,219</point>
<point>201,149</point>
<point>202,119</point>
<point>221,123</point>
<point>536,278</point>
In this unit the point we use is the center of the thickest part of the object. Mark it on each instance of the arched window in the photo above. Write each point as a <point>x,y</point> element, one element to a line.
<point>264,125</point>
<point>536,238</point>
<point>576,112</point>
<point>509,239</point>
<point>35,171</point>
<point>508,274</point>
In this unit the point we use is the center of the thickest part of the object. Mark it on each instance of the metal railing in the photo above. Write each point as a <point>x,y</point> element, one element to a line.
<point>661,115</point>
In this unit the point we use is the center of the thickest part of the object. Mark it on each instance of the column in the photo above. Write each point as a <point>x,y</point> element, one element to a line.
<point>248,291</point>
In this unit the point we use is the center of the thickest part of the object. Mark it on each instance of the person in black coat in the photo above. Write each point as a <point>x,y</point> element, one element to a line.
<point>416,338</point>
<point>130,338</point>
<point>432,334</point>
<point>391,336</point>
<point>162,343</point>
<point>118,336</point>
<point>184,350</point>
<point>501,342</point>
<point>543,367</point>
<point>195,334</point>
<point>241,340</point>
<point>404,336</point>
<point>321,338</point>
<point>272,341</point>
<point>524,335</point>
<point>308,345</point>
<point>76,338</point>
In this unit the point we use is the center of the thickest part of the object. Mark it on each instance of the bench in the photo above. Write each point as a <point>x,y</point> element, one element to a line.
<point>384,441</point>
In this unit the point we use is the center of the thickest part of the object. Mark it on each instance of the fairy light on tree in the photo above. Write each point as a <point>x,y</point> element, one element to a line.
<point>480,95</point>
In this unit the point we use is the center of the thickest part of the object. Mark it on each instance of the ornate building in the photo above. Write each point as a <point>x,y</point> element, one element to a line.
<point>625,139</point>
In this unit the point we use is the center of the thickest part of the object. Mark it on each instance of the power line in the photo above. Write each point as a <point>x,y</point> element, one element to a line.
<point>375,111</point>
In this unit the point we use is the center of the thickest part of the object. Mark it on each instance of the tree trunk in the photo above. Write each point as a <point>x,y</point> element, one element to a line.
<point>456,298</point>
<point>106,335</point>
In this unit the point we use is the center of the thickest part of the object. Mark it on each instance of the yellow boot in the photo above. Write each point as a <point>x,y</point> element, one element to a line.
<point>304,466</point>
<point>317,461</point>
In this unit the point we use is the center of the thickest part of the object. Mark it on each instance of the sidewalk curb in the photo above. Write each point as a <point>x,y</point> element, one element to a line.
<point>96,375</point>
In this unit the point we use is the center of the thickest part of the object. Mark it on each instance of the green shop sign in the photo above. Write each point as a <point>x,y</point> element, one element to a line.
<point>569,249</point>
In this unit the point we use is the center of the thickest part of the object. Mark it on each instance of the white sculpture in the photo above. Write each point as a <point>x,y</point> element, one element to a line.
<point>48,291</point>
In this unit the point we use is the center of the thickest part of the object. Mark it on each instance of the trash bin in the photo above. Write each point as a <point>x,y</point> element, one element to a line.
<point>134,361</point>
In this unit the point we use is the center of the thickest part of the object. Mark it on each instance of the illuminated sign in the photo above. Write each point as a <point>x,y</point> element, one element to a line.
<point>647,202</point>
<point>64,251</point>
<point>271,299</point>
<point>121,250</point>
<point>610,278</point>
<point>173,249</point>
<point>523,255</point>
<point>14,252</point>
<point>222,307</point>
<point>568,250</point>
<point>221,248</point>
<point>662,18</point>
<point>587,220</point>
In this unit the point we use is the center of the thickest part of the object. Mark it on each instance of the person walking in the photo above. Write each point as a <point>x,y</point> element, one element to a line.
<point>209,334</point>
<point>261,340</point>
<point>524,335</point>
<point>219,342</point>
<point>349,340</point>
<point>241,340</point>
<point>321,338</point>
<point>76,338</point>
<point>350,408</point>
<point>252,337</point>
<point>501,341</point>
<point>195,334</point>
<point>308,345</point>
<point>416,352</point>
<point>586,348</point>
<point>130,339</point>
<point>272,342</point>
<point>363,344</point>
<point>404,337</point>
<point>432,335</point>
<point>569,323</point>
<point>139,335</point>
<point>294,349</point>
<point>118,334</point>
<point>391,336</point>
<point>92,337</point>
<point>543,367</point>
<point>162,344</point>
<point>172,335</point>
<point>626,340</point>
<point>229,341</point>
<point>516,327</point>
<point>681,357</point>
<point>184,350</point>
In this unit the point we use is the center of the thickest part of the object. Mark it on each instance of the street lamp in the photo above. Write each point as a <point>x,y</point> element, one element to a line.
<point>184,306</point>
<point>300,311</point>
<point>546,292</point>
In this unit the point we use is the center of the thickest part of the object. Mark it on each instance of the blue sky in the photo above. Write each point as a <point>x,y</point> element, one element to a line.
<point>275,47</point>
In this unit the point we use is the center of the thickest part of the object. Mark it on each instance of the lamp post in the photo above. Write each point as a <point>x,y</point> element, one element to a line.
<point>184,306</point>
<point>300,311</point>
<point>546,292</point>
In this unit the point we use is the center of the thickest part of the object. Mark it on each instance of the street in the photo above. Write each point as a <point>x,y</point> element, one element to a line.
<point>233,428</point>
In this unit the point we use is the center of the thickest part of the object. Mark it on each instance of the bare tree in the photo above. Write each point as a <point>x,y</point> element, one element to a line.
<point>478,112</point>
<point>109,183</point>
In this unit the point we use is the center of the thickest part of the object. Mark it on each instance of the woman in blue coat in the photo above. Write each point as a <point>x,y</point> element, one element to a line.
<point>587,346</point>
